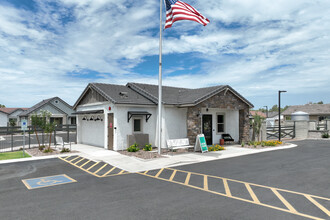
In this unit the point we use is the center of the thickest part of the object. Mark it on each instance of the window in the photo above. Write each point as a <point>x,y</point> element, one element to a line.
<point>220,123</point>
<point>137,125</point>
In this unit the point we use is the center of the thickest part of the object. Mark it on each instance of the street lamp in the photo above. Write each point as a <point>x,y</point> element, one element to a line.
<point>279,113</point>
<point>266,111</point>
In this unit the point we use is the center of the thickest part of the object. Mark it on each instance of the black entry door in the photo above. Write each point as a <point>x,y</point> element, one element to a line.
<point>207,128</point>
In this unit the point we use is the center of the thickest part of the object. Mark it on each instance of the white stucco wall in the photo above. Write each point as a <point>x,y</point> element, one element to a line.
<point>3,119</point>
<point>124,128</point>
<point>175,123</point>
<point>231,123</point>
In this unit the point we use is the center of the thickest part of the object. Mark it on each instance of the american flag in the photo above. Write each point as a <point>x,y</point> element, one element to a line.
<point>178,10</point>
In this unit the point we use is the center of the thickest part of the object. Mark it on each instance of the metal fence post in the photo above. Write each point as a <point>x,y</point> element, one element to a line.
<point>55,136</point>
<point>12,142</point>
<point>68,135</point>
<point>42,137</point>
<point>294,129</point>
<point>29,137</point>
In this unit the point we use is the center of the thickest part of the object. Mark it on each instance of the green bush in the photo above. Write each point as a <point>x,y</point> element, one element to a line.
<point>48,150</point>
<point>42,147</point>
<point>133,148</point>
<point>64,150</point>
<point>243,144</point>
<point>325,135</point>
<point>147,147</point>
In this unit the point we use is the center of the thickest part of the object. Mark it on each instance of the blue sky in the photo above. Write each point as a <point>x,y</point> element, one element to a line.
<point>55,48</point>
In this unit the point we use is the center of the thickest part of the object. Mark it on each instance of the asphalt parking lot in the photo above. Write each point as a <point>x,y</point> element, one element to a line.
<point>284,184</point>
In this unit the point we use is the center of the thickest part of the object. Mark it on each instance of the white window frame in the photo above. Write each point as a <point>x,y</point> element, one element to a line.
<point>141,125</point>
<point>224,123</point>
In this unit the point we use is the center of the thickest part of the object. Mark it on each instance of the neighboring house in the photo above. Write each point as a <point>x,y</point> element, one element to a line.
<point>62,112</point>
<point>317,112</point>
<point>108,115</point>
<point>256,112</point>
<point>8,114</point>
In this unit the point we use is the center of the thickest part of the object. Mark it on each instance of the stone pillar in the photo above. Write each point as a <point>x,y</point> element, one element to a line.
<point>194,122</point>
<point>301,129</point>
<point>263,131</point>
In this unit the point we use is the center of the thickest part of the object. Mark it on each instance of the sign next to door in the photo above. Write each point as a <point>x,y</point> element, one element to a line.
<point>201,143</point>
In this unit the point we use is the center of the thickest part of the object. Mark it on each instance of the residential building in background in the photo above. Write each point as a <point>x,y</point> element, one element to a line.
<point>62,112</point>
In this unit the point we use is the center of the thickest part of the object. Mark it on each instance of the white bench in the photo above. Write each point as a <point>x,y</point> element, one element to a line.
<point>59,141</point>
<point>174,144</point>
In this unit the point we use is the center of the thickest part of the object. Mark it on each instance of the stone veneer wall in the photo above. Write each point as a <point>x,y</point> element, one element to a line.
<point>220,100</point>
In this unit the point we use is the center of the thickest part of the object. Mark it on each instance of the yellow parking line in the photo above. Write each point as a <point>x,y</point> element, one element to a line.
<point>159,172</point>
<point>253,184</point>
<point>85,163</point>
<point>233,197</point>
<point>121,172</point>
<point>109,171</point>
<point>206,186</point>
<point>326,211</point>
<point>145,172</point>
<point>172,176</point>
<point>93,166</point>
<point>79,161</point>
<point>187,179</point>
<point>254,197</point>
<point>225,183</point>
<point>286,203</point>
<point>66,157</point>
<point>100,169</point>
<point>74,159</point>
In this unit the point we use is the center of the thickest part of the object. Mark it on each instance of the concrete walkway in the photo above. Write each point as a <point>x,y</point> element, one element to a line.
<point>133,164</point>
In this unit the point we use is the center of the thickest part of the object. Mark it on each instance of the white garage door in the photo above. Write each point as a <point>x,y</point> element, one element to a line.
<point>92,133</point>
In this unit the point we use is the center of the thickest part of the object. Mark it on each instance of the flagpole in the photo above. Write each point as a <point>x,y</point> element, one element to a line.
<point>160,79</point>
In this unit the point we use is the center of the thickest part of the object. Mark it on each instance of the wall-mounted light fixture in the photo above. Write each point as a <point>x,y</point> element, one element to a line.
<point>207,109</point>
<point>84,118</point>
<point>198,113</point>
<point>92,118</point>
<point>98,118</point>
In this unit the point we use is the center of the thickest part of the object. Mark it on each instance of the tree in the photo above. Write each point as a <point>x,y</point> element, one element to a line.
<point>12,122</point>
<point>2,106</point>
<point>256,124</point>
<point>41,121</point>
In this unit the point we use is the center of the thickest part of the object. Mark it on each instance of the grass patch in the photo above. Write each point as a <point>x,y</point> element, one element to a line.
<point>13,155</point>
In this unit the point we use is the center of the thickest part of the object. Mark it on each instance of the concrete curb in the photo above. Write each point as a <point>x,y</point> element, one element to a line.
<point>37,158</point>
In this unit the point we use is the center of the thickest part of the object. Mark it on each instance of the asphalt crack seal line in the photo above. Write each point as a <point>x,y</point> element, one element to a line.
<point>89,164</point>
<point>254,198</point>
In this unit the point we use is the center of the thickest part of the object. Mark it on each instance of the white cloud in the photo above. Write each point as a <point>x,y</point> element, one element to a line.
<point>255,46</point>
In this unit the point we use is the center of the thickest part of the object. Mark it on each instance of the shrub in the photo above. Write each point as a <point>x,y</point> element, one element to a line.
<point>42,147</point>
<point>48,150</point>
<point>64,150</point>
<point>243,144</point>
<point>325,135</point>
<point>147,147</point>
<point>215,147</point>
<point>133,148</point>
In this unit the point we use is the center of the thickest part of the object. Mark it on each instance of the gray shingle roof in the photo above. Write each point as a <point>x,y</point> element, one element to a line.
<point>120,94</point>
<point>311,109</point>
<point>147,94</point>
<point>175,95</point>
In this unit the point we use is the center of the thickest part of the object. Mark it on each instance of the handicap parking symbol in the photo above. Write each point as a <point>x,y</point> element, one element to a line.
<point>47,181</point>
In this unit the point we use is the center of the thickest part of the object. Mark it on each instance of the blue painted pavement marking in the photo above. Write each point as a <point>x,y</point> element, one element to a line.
<point>47,181</point>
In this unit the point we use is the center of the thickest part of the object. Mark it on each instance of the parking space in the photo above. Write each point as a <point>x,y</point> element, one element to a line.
<point>297,203</point>
<point>284,187</point>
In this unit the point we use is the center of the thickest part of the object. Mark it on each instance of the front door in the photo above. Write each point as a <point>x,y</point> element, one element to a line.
<point>110,131</point>
<point>207,128</point>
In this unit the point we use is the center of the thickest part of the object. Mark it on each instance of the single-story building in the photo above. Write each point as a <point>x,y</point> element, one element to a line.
<point>316,112</point>
<point>10,114</point>
<point>62,112</point>
<point>111,116</point>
